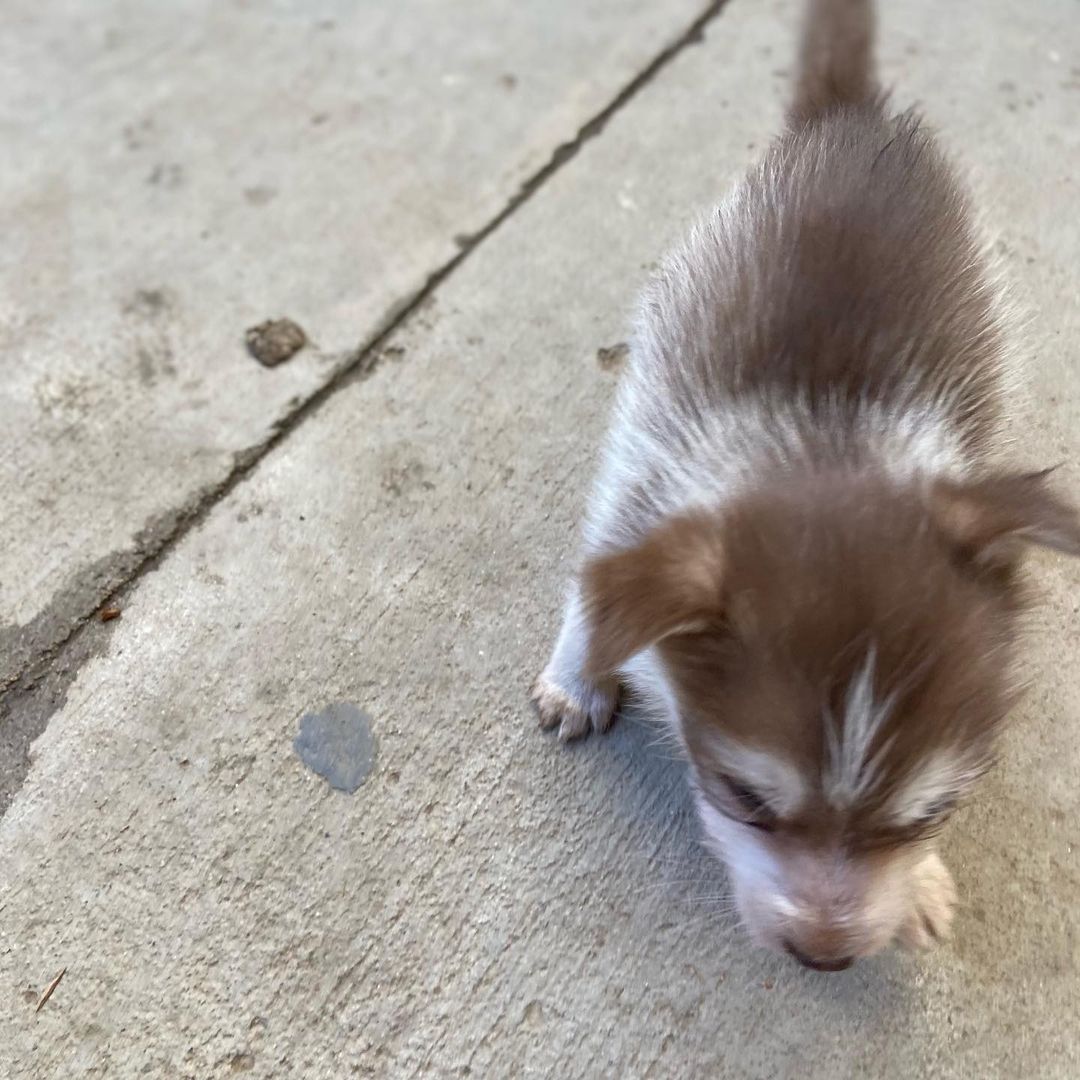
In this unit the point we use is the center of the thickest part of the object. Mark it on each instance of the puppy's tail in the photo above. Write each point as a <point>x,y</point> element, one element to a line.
<point>836,58</point>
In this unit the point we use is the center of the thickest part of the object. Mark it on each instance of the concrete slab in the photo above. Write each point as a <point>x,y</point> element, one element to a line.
<point>176,173</point>
<point>488,903</point>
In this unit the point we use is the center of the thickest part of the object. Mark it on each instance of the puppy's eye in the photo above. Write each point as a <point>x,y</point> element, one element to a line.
<point>930,821</point>
<point>751,807</point>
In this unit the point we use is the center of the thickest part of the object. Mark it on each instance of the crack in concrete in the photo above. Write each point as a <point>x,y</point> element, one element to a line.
<point>25,647</point>
<point>40,660</point>
<point>25,711</point>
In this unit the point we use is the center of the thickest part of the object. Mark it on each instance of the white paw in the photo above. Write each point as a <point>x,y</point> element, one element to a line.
<point>587,708</point>
<point>933,903</point>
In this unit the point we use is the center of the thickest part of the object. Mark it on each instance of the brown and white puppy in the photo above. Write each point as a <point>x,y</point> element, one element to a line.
<point>802,549</point>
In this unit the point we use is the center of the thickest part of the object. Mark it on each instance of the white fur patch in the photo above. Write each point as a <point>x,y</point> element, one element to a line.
<point>750,861</point>
<point>850,770</point>
<point>707,459</point>
<point>937,780</point>
<point>644,674</point>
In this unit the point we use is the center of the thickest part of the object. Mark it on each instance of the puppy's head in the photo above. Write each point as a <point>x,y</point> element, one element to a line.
<point>838,651</point>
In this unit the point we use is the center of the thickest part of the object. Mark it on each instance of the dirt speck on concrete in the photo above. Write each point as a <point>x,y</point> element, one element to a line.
<point>274,341</point>
<point>241,1062</point>
<point>167,175</point>
<point>148,303</point>
<point>612,357</point>
<point>260,194</point>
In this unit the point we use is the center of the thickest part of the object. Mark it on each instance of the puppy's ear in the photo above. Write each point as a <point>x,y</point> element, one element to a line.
<point>671,581</point>
<point>990,520</point>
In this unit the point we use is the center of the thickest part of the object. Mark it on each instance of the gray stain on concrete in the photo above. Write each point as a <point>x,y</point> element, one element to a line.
<point>338,744</point>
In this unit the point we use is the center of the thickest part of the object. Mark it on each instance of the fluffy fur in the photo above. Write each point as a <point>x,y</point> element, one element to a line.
<point>802,549</point>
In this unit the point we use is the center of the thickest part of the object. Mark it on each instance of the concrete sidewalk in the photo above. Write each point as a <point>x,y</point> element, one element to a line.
<point>488,903</point>
<point>175,173</point>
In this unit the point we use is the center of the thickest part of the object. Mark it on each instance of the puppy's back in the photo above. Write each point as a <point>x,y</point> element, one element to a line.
<point>845,270</point>
<point>839,292</point>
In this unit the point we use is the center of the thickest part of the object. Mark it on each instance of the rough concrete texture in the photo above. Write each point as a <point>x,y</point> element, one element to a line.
<point>490,903</point>
<point>176,173</point>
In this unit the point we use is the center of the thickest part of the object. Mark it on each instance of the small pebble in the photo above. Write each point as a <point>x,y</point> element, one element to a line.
<point>612,357</point>
<point>274,341</point>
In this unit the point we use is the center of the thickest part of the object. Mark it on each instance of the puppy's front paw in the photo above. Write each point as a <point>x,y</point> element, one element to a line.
<point>932,905</point>
<point>587,707</point>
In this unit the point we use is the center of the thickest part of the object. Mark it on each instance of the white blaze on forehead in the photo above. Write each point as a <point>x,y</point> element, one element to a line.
<point>850,771</point>
<point>931,785</point>
<point>773,779</point>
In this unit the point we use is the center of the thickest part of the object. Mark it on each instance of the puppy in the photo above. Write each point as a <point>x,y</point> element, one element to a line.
<point>802,550</point>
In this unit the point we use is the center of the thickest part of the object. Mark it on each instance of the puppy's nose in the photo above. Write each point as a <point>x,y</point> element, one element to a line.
<point>817,964</point>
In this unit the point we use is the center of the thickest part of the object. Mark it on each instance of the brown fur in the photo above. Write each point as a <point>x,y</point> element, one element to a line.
<point>672,579</point>
<point>801,525</point>
<point>791,586</point>
<point>860,281</point>
<point>835,58</point>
